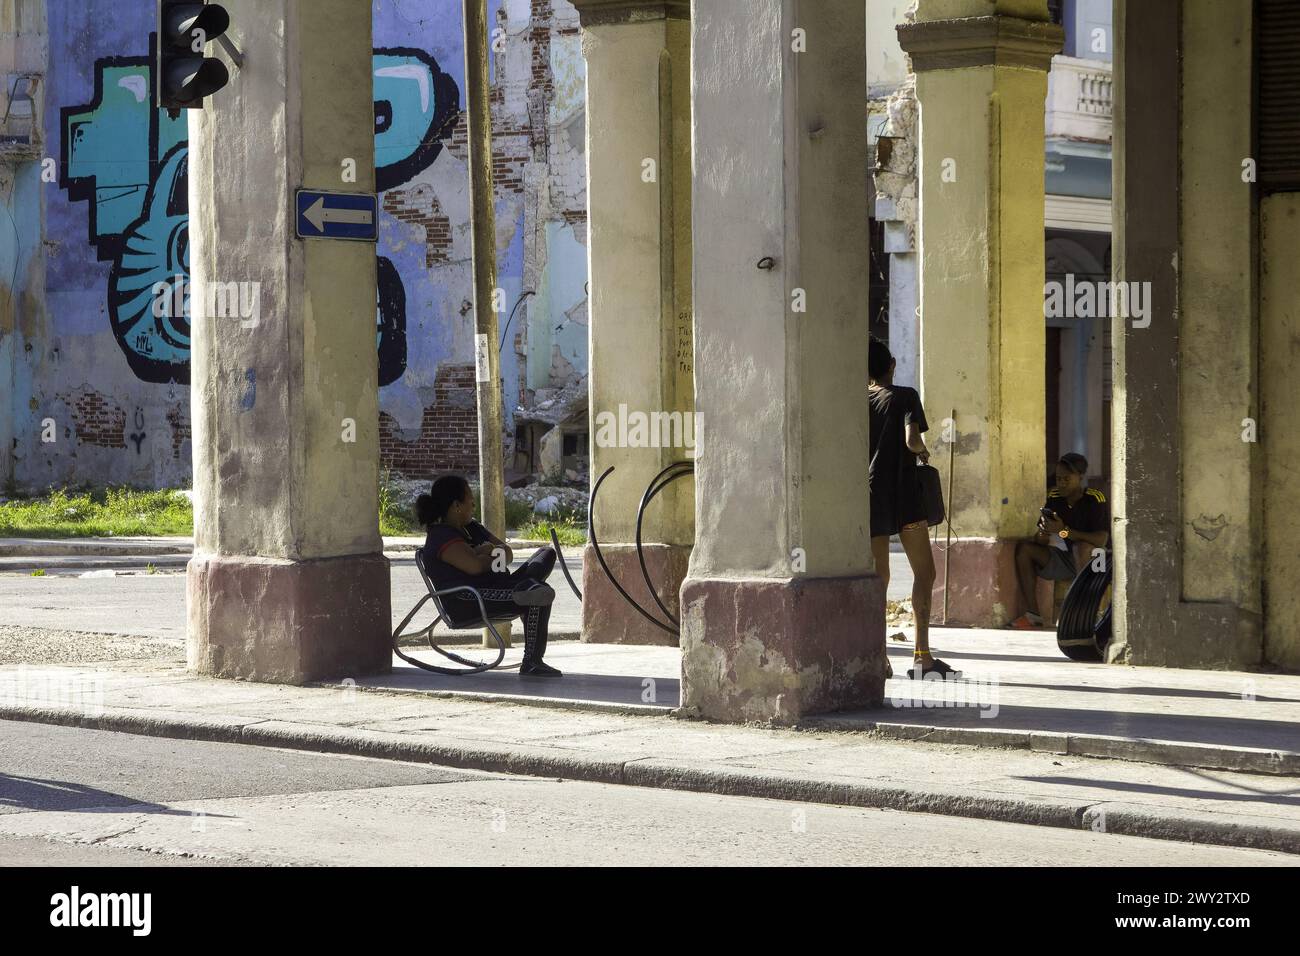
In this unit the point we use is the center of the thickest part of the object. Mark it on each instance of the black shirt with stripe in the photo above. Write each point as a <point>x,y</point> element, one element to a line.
<point>1089,513</point>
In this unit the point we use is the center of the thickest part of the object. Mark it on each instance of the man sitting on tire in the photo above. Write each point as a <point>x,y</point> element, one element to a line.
<point>1072,513</point>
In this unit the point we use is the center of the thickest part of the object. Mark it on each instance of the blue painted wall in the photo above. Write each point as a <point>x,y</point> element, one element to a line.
<point>116,222</point>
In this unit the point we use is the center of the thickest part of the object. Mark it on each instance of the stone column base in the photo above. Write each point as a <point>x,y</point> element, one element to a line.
<point>777,650</point>
<point>288,622</point>
<point>606,617</point>
<point>982,588</point>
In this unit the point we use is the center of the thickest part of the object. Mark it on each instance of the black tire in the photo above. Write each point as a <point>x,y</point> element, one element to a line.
<point>1084,629</point>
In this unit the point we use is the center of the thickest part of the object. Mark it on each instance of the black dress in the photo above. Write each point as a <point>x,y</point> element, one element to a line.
<point>896,498</point>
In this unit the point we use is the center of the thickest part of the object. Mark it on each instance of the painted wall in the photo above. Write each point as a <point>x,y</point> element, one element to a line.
<point>116,380</point>
<point>886,62</point>
<point>1217,292</point>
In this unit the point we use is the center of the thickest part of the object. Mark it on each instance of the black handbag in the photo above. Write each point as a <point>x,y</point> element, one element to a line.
<point>931,494</point>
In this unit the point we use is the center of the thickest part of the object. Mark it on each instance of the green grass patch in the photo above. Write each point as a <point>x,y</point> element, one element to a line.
<point>125,512</point>
<point>107,512</point>
<point>395,520</point>
<point>570,527</point>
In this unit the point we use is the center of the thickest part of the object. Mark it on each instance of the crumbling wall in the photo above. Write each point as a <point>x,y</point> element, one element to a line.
<point>115,222</point>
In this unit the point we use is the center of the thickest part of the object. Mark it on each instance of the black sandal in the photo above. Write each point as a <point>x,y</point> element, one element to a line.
<point>936,666</point>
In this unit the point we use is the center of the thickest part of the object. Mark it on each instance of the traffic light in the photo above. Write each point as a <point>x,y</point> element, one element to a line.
<point>183,75</point>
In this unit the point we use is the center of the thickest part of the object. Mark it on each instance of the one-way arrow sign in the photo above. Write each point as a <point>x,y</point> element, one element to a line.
<point>323,215</point>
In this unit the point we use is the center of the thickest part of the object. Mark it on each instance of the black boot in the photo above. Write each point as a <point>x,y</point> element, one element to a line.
<point>535,624</point>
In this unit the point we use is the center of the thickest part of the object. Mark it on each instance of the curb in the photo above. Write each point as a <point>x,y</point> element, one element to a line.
<point>13,547</point>
<point>1172,753</point>
<point>491,697</point>
<point>91,558</point>
<point>88,562</point>
<point>564,634</point>
<point>629,770</point>
<point>92,547</point>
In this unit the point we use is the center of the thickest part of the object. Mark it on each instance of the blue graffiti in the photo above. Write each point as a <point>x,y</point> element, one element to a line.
<point>415,105</point>
<point>148,291</point>
<point>128,161</point>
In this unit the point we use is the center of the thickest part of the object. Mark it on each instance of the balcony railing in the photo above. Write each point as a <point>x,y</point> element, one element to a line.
<point>1079,99</point>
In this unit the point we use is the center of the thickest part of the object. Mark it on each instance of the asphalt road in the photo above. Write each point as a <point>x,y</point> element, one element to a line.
<point>64,617</point>
<point>86,797</point>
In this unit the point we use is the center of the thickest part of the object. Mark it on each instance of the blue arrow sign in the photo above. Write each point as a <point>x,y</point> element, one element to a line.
<point>323,215</point>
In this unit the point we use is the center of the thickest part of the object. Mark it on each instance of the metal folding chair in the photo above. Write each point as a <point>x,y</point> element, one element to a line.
<point>481,620</point>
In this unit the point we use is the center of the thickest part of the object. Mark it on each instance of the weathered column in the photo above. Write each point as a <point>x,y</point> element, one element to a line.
<point>288,582</point>
<point>1186,472</point>
<point>981,79</point>
<point>781,613</point>
<point>640,354</point>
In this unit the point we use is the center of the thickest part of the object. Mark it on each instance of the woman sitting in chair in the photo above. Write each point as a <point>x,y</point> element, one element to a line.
<point>459,551</point>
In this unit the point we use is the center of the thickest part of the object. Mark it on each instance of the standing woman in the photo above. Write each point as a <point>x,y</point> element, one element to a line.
<point>460,551</point>
<point>897,505</point>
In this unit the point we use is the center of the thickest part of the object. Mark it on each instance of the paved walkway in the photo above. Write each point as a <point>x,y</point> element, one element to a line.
<point>1024,721</point>
<point>1017,691</point>
<point>822,765</point>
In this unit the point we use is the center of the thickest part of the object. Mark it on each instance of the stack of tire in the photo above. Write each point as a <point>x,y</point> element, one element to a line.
<point>1084,631</point>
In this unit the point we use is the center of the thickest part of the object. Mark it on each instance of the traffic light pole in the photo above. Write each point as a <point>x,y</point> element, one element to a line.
<point>487,354</point>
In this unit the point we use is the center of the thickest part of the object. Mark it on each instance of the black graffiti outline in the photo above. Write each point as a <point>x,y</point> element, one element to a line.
<point>392,321</point>
<point>446,104</point>
<point>391,289</point>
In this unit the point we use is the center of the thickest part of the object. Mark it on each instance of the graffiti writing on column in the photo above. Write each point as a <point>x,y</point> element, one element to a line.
<point>129,161</point>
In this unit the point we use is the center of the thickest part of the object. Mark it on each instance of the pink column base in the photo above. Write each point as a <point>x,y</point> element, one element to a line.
<point>982,591</point>
<point>289,622</point>
<point>606,617</point>
<point>777,650</point>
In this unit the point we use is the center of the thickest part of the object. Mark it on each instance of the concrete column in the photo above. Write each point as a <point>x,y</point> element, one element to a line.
<point>1280,346</point>
<point>1184,378</point>
<point>781,613</point>
<point>288,582</point>
<point>981,79</point>
<point>640,352</point>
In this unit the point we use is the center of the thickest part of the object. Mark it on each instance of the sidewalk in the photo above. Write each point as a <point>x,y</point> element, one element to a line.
<point>616,735</point>
<point>1017,692</point>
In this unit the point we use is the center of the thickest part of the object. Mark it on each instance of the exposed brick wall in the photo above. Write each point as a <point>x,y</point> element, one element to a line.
<point>96,420</point>
<point>448,439</point>
<point>421,207</point>
<point>541,82</point>
<point>510,146</point>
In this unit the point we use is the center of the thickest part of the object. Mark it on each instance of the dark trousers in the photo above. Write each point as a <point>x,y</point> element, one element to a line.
<point>536,568</point>
<point>500,605</point>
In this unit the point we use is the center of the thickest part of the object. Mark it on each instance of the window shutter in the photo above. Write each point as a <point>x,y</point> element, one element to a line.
<point>1277,44</point>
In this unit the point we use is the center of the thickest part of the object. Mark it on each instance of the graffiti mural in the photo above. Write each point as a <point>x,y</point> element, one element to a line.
<point>415,106</point>
<point>128,162</point>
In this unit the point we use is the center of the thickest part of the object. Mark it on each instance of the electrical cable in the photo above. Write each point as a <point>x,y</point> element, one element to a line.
<point>680,468</point>
<point>518,302</point>
<point>600,557</point>
<point>564,565</point>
